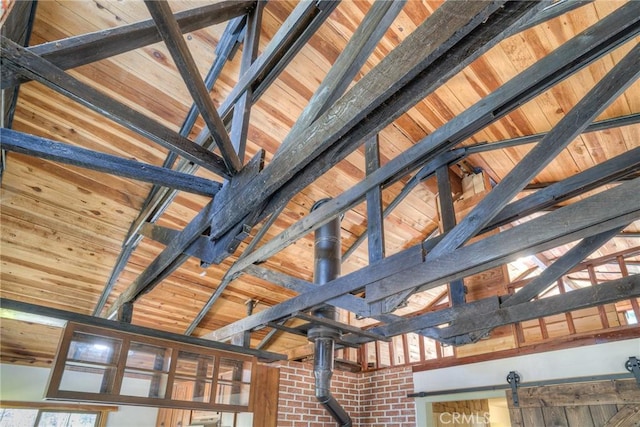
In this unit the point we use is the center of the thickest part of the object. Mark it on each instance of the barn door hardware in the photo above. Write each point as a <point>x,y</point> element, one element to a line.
<point>633,365</point>
<point>514,379</point>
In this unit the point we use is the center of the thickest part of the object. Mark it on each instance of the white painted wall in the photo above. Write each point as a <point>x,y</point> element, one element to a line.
<point>28,384</point>
<point>600,359</point>
<point>586,361</point>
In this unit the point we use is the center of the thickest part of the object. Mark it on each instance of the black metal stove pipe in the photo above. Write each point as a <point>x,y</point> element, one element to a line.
<point>327,260</point>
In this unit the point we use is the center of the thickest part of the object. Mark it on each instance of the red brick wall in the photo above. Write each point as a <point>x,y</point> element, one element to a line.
<point>373,399</point>
<point>383,398</point>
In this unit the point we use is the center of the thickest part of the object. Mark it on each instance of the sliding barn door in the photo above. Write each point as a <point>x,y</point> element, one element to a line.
<point>593,404</point>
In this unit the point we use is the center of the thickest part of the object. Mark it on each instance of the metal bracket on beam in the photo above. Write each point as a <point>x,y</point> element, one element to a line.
<point>514,379</point>
<point>633,365</point>
<point>342,327</point>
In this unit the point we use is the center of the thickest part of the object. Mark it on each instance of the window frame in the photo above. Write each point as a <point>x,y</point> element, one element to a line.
<point>114,396</point>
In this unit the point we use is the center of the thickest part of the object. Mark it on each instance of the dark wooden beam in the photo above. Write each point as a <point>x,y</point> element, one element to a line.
<point>291,28</point>
<point>552,11</point>
<point>86,48</point>
<point>448,222</point>
<point>17,26</point>
<point>560,267</point>
<point>242,109</point>
<point>201,248</point>
<point>487,313</point>
<point>170,32</point>
<point>613,291</point>
<point>71,155</point>
<point>70,316</point>
<point>364,40</point>
<point>601,125</point>
<point>173,255</point>
<point>408,270</point>
<point>526,239</point>
<point>375,219</point>
<point>574,55</point>
<point>580,183</point>
<point>26,63</point>
<point>287,51</point>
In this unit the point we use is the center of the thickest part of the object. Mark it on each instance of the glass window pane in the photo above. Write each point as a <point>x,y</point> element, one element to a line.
<point>10,417</point>
<point>92,348</point>
<point>194,365</point>
<point>234,370</point>
<point>143,384</point>
<point>66,419</point>
<point>87,378</point>
<point>146,356</point>
<point>232,393</point>
<point>244,419</point>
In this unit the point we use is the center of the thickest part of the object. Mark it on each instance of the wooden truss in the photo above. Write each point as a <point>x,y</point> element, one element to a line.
<point>336,123</point>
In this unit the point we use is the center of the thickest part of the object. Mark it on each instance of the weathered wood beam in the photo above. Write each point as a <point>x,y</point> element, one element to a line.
<point>375,219</point>
<point>86,48</point>
<point>551,274</point>
<point>358,49</point>
<point>580,183</point>
<point>570,126</point>
<point>291,28</point>
<point>71,155</point>
<point>288,51</point>
<point>242,109</point>
<point>605,124</point>
<point>524,232</point>
<point>487,312</point>
<point>574,55</point>
<point>173,255</point>
<point>198,249</point>
<point>408,270</point>
<point>229,276</point>
<point>448,222</point>
<point>170,32</point>
<point>26,63</point>
<point>129,328</point>
<point>613,291</point>
<point>552,11</point>
<point>16,26</point>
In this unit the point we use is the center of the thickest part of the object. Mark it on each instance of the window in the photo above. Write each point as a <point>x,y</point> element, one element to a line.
<point>37,414</point>
<point>100,365</point>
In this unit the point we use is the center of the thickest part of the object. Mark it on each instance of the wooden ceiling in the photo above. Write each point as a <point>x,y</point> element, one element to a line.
<point>63,227</point>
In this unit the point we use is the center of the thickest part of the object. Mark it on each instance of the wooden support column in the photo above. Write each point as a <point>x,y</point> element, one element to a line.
<point>375,221</point>
<point>625,273</point>
<point>448,218</point>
